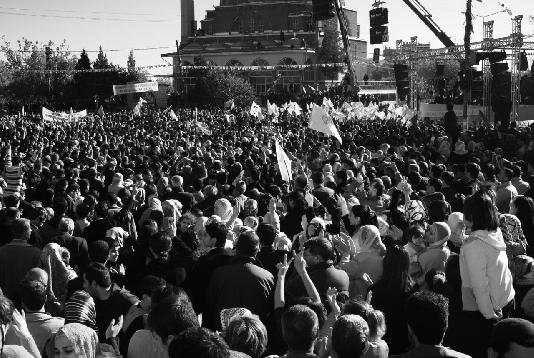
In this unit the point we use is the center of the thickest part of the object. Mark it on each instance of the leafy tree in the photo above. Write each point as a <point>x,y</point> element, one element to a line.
<point>82,81</point>
<point>101,61</point>
<point>222,86</point>
<point>24,77</point>
<point>331,50</point>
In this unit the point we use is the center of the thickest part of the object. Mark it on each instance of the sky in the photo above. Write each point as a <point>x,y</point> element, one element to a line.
<point>130,24</point>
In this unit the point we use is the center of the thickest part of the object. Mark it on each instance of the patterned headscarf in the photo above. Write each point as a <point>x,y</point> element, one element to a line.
<point>83,339</point>
<point>80,308</point>
<point>223,209</point>
<point>368,238</point>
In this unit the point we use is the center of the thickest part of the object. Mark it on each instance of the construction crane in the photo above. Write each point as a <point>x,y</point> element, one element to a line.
<point>426,17</point>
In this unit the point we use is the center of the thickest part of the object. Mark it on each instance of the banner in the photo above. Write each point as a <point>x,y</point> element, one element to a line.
<point>439,110</point>
<point>51,116</point>
<point>135,88</point>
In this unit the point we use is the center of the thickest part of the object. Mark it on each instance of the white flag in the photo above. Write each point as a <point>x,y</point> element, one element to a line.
<point>294,108</point>
<point>327,104</point>
<point>136,110</point>
<point>23,111</point>
<point>322,122</point>
<point>255,109</point>
<point>173,115</point>
<point>101,111</point>
<point>284,164</point>
<point>229,104</point>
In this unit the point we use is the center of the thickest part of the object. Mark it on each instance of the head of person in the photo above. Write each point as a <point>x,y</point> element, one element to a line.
<point>161,245</point>
<point>522,207</point>
<point>247,244</point>
<point>349,337</point>
<point>360,215</point>
<point>147,287</point>
<point>369,240</point>
<point>376,188</point>
<point>99,251</point>
<point>375,319</point>
<point>267,234</point>
<point>247,334</point>
<point>480,212</point>
<point>198,342</point>
<point>37,274</point>
<point>171,316</point>
<point>416,234</point>
<point>74,340</point>
<point>66,225</point>
<point>318,250</point>
<point>396,266</point>
<point>438,232</point>
<point>96,279</point>
<point>318,178</point>
<point>438,210</point>
<point>21,229</point>
<point>427,316</point>
<point>32,295</point>
<point>434,185</point>
<point>214,235</point>
<point>6,315</point>
<point>300,328</point>
<point>512,338</point>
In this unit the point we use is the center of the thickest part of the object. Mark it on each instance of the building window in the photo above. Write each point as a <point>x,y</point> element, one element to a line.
<point>294,23</point>
<point>252,24</point>
<point>261,27</point>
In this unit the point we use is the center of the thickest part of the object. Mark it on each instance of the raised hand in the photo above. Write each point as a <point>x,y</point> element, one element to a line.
<point>283,267</point>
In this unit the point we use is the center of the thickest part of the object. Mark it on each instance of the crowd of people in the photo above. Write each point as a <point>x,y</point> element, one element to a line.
<point>177,236</point>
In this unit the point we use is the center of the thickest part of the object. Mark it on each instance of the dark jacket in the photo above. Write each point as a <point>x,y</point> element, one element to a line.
<point>241,283</point>
<point>77,246</point>
<point>429,351</point>
<point>326,198</point>
<point>186,199</point>
<point>323,276</point>
<point>269,258</point>
<point>203,270</point>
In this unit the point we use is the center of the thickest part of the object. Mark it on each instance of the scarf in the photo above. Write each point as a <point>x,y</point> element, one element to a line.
<point>83,339</point>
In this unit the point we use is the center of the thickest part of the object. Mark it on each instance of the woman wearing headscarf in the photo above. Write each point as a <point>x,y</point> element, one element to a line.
<point>55,261</point>
<point>116,185</point>
<point>172,211</point>
<point>74,340</point>
<point>154,204</point>
<point>367,261</point>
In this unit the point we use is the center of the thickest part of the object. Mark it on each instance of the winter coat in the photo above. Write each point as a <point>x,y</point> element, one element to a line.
<point>486,279</point>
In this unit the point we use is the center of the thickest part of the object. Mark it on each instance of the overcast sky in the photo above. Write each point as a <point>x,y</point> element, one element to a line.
<point>125,24</point>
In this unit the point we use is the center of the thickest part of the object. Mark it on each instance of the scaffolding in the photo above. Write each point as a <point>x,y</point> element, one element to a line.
<point>517,43</point>
<point>486,70</point>
<point>413,74</point>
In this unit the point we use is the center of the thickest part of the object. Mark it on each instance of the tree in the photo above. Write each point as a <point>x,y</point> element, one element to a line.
<point>131,62</point>
<point>331,50</point>
<point>222,86</point>
<point>101,61</point>
<point>82,81</point>
<point>37,73</point>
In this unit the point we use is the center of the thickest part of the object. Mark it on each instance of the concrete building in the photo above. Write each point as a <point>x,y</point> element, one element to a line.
<point>261,33</point>
<point>187,19</point>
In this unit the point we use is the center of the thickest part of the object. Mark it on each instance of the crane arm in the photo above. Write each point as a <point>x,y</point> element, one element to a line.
<point>344,27</point>
<point>426,17</point>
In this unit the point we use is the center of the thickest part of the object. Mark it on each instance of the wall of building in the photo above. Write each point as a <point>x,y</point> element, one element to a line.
<point>187,16</point>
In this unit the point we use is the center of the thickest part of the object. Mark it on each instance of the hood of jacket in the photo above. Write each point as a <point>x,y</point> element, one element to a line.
<point>492,238</point>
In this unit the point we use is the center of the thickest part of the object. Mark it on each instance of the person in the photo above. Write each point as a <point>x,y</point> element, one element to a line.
<point>436,254</point>
<point>17,257</point>
<point>427,317</point>
<point>487,285</point>
<point>300,329</point>
<point>41,325</point>
<point>506,192</point>
<point>512,338</point>
<point>177,192</point>
<point>242,283</point>
<point>247,334</point>
<point>451,125</point>
<point>167,319</point>
<point>198,342</point>
<point>349,337</point>
<point>136,317</point>
<point>318,254</point>
<point>77,246</point>
<point>212,238</point>
<point>111,302</point>
<point>389,295</point>
<point>74,340</point>
<point>268,256</point>
<point>10,318</point>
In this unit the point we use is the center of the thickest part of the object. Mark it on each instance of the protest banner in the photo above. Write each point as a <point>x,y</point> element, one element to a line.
<point>135,88</point>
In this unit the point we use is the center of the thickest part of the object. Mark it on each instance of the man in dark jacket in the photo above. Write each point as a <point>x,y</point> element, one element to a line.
<point>241,283</point>
<point>318,254</point>
<point>268,256</point>
<point>77,246</point>
<point>451,125</point>
<point>214,237</point>
<point>177,193</point>
<point>326,196</point>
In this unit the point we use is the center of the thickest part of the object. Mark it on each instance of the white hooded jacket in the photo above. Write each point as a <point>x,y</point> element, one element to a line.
<point>486,279</point>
